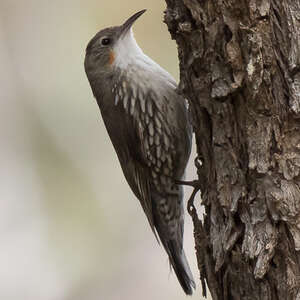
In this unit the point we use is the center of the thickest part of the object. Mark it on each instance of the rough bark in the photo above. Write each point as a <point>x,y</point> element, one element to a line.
<point>240,71</point>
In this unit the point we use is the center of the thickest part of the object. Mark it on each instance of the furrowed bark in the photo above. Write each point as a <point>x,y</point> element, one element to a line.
<point>240,71</point>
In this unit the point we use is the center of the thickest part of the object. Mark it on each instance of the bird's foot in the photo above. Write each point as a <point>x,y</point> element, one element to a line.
<point>190,204</point>
<point>198,161</point>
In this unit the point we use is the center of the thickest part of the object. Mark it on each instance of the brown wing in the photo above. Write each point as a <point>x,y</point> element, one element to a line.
<point>125,133</point>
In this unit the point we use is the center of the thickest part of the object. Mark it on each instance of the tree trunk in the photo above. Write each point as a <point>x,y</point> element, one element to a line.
<point>240,71</point>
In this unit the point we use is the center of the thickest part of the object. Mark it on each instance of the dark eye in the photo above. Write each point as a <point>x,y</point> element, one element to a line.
<point>105,41</point>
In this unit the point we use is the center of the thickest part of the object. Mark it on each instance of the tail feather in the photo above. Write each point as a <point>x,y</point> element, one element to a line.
<point>181,267</point>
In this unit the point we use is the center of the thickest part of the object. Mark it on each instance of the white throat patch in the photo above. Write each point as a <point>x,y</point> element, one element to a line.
<point>127,51</point>
<point>139,67</point>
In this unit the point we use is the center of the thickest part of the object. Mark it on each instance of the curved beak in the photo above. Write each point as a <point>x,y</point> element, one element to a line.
<point>128,24</point>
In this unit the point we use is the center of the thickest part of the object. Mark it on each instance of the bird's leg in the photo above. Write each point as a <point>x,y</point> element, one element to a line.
<point>193,183</point>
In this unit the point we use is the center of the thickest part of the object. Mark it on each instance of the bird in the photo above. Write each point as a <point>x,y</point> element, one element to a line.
<point>148,125</point>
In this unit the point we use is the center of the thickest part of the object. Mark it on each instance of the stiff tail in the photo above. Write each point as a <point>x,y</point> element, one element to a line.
<point>181,267</point>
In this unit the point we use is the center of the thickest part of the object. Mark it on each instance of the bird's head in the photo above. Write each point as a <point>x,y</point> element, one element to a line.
<point>112,47</point>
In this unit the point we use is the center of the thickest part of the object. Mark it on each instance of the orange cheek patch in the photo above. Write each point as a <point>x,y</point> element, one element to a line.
<point>111,57</point>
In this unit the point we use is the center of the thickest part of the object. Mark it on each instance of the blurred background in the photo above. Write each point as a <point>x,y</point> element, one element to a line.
<point>70,228</point>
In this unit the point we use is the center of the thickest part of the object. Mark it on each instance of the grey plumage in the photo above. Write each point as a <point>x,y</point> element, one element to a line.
<point>148,126</point>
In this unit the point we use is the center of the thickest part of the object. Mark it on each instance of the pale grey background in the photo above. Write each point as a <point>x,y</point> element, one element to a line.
<point>70,228</point>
